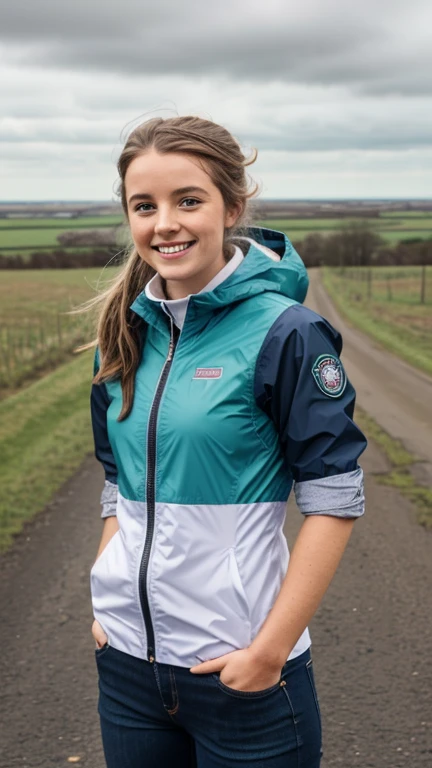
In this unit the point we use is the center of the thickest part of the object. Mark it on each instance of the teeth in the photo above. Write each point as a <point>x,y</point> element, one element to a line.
<point>174,249</point>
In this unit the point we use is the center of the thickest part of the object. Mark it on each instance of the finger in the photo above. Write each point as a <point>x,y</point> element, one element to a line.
<point>99,636</point>
<point>206,667</point>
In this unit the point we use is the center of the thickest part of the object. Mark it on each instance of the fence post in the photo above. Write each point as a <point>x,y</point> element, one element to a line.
<point>369,287</point>
<point>59,333</point>
<point>423,284</point>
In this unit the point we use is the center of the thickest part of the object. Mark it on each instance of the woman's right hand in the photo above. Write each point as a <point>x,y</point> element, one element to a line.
<point>99,635</point>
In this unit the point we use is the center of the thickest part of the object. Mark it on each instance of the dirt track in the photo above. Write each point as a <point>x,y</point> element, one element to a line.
<point>371,636</point>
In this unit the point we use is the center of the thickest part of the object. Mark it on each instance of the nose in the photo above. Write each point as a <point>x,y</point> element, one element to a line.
<point>166,221</point>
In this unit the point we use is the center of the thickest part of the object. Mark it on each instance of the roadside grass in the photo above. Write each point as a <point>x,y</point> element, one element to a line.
<point>391,316</point>
<point>45,434</point>
<point>36,334</point>
<point>401,461</point>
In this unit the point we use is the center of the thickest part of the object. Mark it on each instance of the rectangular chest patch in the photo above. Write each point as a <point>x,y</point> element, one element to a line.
<point>208,373</point>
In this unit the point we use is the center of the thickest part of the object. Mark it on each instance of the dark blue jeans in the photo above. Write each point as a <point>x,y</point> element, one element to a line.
<point>159,715</point>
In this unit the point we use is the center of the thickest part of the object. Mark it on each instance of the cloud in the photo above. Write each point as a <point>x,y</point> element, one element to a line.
<point>318,86</point>
<point>374,48</point>
<point>278,117</point>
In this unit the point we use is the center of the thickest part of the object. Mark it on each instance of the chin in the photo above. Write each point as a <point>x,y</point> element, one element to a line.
<point>176,271</point>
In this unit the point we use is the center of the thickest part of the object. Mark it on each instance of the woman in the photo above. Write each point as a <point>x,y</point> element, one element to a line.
<point>215,390</point>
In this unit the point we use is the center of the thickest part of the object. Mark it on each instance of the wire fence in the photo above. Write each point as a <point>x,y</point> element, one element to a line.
<point>37,343</point>
<point>407,285</point>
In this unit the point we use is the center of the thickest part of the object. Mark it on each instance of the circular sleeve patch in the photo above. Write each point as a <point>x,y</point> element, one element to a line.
<point>329,375</point>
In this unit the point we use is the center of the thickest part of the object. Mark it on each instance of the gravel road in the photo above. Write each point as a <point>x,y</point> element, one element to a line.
<point>371,636</point>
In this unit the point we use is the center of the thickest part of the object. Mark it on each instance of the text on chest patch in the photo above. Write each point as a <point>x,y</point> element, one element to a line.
<point>208,373</point>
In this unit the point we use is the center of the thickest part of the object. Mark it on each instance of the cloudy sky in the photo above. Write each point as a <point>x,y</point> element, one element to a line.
<point>335,95</point>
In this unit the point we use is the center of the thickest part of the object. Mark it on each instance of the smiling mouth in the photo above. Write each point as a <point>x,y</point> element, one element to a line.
<point>174,248</point>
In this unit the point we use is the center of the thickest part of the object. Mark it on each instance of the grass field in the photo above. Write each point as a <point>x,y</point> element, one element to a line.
<point>388,309</point>
<point>36,335</point>
<point>83,222</point>
<point>45,433</point>
<point>28,234</point>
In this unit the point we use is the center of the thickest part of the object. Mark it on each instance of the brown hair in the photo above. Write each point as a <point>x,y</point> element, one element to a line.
<point>120,331</point>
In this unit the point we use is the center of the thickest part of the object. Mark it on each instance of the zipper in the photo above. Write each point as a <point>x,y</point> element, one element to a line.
<point>150,492</point>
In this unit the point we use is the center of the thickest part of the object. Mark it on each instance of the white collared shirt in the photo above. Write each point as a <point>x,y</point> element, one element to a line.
<point>177,308</point>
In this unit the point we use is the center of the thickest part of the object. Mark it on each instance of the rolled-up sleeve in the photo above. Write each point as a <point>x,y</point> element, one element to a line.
<point>99,402</point>
<point>301,384</point>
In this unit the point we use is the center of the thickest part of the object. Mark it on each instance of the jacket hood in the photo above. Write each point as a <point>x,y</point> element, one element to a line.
<point>280,271</point>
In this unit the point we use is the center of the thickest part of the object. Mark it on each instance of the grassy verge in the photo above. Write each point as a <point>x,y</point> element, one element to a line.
<point>36,333</point>
<point>45,434</point>
<point>399,476</point>
<point>401,326</point>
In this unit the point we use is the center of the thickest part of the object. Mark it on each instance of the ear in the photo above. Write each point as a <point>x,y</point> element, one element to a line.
<point>233,214</point>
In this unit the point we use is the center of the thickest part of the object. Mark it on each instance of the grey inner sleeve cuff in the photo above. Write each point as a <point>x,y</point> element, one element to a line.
<point>109,499</point>
<point>337,495</point>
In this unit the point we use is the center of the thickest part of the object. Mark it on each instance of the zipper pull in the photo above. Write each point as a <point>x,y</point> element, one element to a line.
<point>173,341</point>
<point>171,344</point>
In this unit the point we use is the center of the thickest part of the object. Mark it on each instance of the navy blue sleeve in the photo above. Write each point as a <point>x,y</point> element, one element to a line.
<point>99,402</point>
<point>300,383</point>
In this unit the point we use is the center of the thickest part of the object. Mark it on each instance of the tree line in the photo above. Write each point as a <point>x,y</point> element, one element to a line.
<point>359,246</point>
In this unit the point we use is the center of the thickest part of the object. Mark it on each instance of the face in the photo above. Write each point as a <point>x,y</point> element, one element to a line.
<point>163,214</point>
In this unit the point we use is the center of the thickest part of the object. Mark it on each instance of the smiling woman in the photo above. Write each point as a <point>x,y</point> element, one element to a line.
<point>207,409</point>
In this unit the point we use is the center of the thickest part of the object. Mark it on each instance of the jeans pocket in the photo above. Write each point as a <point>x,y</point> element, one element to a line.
<point>309,669</point>
<point>102,650</point>
<point>249,694</point>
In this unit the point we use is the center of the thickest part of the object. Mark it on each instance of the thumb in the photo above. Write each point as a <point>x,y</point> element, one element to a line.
<point>98,634</point>
<point>207,667</point>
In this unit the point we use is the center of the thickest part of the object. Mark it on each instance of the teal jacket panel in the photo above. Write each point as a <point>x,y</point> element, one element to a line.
<point>214,445</point>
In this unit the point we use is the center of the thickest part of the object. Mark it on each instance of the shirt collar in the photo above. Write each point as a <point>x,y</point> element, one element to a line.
<point>154,290</point>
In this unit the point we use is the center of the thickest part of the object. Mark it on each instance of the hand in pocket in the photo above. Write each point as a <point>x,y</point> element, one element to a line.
<point>99,635</point>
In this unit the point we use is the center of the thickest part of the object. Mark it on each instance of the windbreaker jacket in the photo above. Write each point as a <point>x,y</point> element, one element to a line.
<point>247,399</point>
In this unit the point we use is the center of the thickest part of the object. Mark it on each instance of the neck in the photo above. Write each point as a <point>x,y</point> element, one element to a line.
<point>179,289</point>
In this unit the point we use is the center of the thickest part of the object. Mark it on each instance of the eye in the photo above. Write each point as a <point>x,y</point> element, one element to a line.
<point>140,207</point>
<point>190,200</point>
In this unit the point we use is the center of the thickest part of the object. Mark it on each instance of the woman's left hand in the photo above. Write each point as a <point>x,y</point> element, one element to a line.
<point>241,670</point>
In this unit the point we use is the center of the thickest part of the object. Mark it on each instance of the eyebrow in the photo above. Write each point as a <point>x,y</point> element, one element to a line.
<point>181,191</point>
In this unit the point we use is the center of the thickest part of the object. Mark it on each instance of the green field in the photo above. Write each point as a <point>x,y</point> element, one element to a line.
<point>45,433</point>
<point>35,333</point>
<point>30,238</point>
<point>405,214</point>
<point>27,234</point>
<point>387,308</point>
<point>82,222</point>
